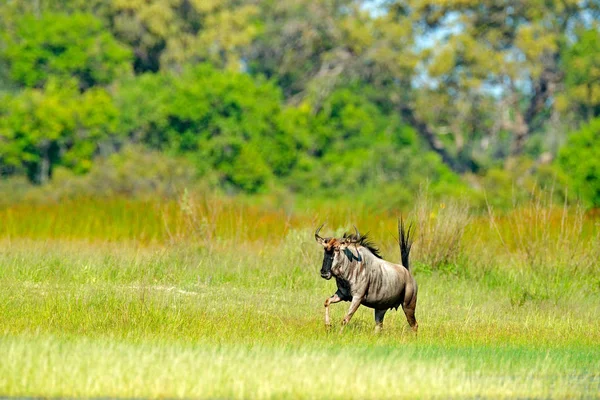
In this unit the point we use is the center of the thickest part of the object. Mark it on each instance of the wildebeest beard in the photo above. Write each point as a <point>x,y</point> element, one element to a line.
<point>327,262</point>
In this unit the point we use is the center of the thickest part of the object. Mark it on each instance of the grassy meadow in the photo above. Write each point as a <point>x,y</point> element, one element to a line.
<point>219,298</point>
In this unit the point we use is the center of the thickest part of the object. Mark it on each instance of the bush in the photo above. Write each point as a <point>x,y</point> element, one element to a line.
<point>41,129</point>
<point>134,172</point>
<point>227,120</point>
<point>356,149</point>
<point>579,160</point>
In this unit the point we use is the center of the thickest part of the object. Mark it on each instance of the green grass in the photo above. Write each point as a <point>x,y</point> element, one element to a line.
<point>226,302</point>
<point>103,367</point>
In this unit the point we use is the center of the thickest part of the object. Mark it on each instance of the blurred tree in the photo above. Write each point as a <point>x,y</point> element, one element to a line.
<point>488,66</point>
<point>162,33</point>
<point>464,74</point>
<point>311,47</point>
<point>143,104</point>
<point>11,10</point>
<point>352,146</point>
<point>40,129</point>
<point>170,33</point>
<point>582,70</point>
<point>226,120</point>
<point>63,46</point>
<point>579,159</point>
<point>353,88</point>
<point>305,45</point>
<point>229,27</point>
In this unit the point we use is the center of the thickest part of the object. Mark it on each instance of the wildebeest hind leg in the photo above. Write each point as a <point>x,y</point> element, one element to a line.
<point>409,311</point>
<point>379,314</point>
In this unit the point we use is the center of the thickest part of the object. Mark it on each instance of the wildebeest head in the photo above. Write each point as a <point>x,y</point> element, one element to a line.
<point>332,247</point>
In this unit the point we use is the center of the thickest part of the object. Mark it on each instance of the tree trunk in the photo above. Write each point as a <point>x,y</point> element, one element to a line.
<point>431,138</point>
<point>37,10</point>
<point>530,121</point>
<point>590,104</point>
<point>521,132</point>
<point>44,174</point>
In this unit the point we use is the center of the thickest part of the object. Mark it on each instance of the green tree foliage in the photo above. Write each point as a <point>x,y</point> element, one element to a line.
<point>63,46</point>
<point>579,159</point>
<point>43,128</point>
<point>236,126</point>
<point>464,74</point>
<point>226,120</point>
<point>316,96</point>
<point>582,74</point>
<point>353,146</point>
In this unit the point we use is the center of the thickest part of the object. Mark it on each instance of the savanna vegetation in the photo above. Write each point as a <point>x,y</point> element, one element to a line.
<point>164,163</point>
<point>214,297</point>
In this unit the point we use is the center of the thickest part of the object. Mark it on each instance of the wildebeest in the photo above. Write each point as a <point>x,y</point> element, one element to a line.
<point>364,277</point>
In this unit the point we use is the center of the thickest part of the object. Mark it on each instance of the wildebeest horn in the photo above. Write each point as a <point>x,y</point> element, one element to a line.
<point>317,237</point>
<point>357,232</point>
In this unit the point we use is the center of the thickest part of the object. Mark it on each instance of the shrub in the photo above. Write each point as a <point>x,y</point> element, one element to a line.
<point>579,160</point>
<point>133,172</point>
<point>226,120</point>
<point>55,126</point>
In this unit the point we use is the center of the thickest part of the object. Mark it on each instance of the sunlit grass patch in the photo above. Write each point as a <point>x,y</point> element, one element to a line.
<point>94,368</point>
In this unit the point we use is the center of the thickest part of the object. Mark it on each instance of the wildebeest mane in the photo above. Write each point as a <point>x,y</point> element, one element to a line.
<point>365,241</point>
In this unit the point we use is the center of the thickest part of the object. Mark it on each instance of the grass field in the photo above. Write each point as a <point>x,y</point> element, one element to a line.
<point>206,298</point>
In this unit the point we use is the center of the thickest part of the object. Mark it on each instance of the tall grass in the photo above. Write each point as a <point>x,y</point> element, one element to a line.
<point>542,235</point>
<point>216,297</point>
<point>440,229</point>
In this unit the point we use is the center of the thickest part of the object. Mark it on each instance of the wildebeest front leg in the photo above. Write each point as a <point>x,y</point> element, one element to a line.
<point>331,300</point>
<point>379,314</point>
<point>356,300</point>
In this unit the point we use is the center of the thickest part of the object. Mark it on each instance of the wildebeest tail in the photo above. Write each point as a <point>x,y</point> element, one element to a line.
<point>405,242</point>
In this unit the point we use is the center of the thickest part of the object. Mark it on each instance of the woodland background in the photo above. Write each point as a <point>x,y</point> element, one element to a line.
<point>301,99</point>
